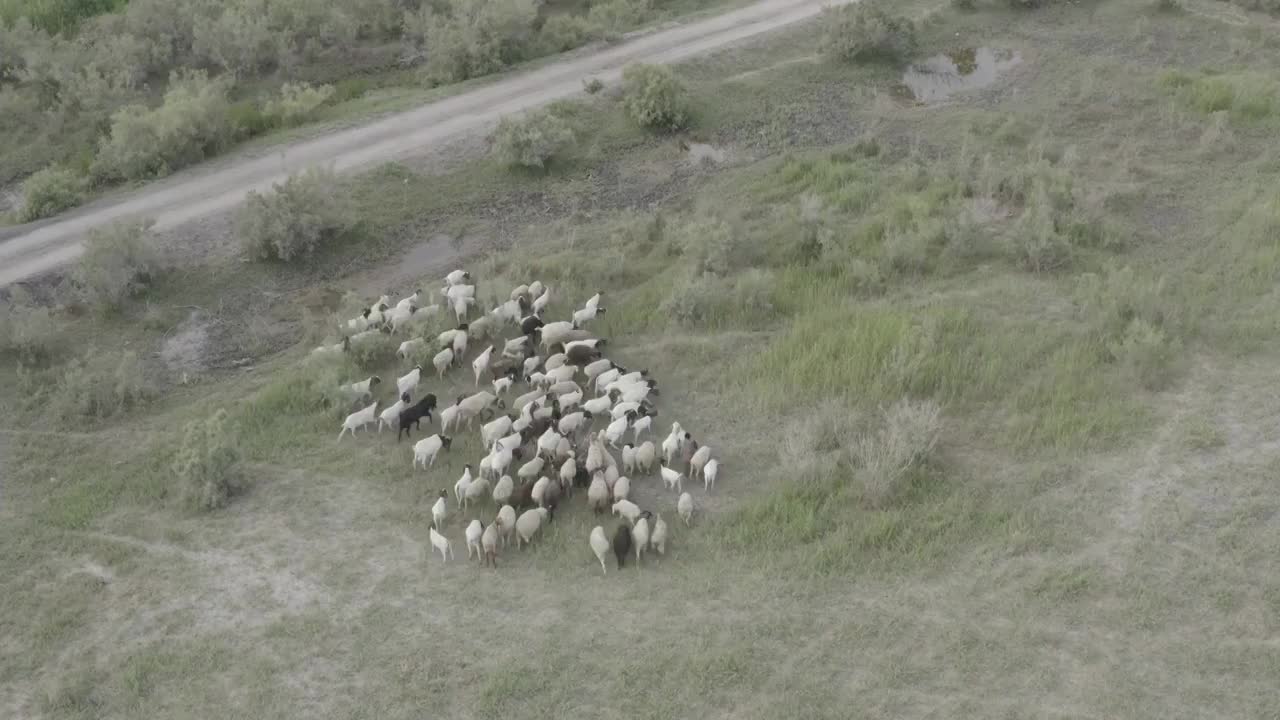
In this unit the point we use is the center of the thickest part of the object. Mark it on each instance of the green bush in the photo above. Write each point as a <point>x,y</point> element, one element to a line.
<point>475,37</point>
<point>100,385</point>
<point>566,32</point>
<point>55,16</point>
<point>192,123</point>
<point>49,192</point>
<point>531,141</point>
<point>653,97</point>
<point>208,463</point>
<point>297,217</point>
<point>118,263</point>
<point>297,102</point>
<point>26,329</point>
<point>864,32</point>
<point>239,40</point>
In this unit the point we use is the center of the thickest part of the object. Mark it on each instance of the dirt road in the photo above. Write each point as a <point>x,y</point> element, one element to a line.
<point>196,193</point>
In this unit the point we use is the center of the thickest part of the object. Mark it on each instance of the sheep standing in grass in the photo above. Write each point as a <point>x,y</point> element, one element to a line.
<point>502,490</point>
<point>426,449</point>
<point>598,494</point>
<point>640,426</point>
<point>400,318</point>
<point>362,390</point>
<point>474,532</point>
<point>531,469</point>
<point>460,487</point>
<point>442,361</point>
<point>698,461</point>
<point>586,315</point>
<point>640,535</point>
<point>528,525</point>
<point>613,433</point>
<point>621,488</point>
<point>476,490</point>
<point>440,511</point>
<point>457,277</point>
<point>644,457</point>
<point>489,546</point>
<point>409,381</point>
<point>599,546</point>
<point>448,417</point>
<point>441,543</point>
<point>684,506</point>
<point>658,537</point>
<point>502,385</point>
<point>709,473</point>
<point>628,458</point>
<point>392,414</point>
<point>622,544</point>
<point>494,429</point>
<point>627,509</point>
<point>481,363</point>
<point>359,419</point>
<point>672,479</point>
<point>409,347</point>
<point>506,522</point>
<point>568,470</point>
<point>597,406</point>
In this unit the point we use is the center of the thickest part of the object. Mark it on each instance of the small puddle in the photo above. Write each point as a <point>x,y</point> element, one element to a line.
<point>941,76</point>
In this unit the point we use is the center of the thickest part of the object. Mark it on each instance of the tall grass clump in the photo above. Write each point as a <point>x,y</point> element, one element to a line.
<point>298,102</point>
<point>901,447</point>
<point>26,329</point>
<point>866,32</point>
<point>1137,320</point>
<point>296,218</point>
<point>1245,96</point>
<point>470,38</point>
<point>654,97</point>
<point>119,263</point>
<point>531,141</point>
<point>100,385</point>
<point>49,192</point>
<point>207,464</point>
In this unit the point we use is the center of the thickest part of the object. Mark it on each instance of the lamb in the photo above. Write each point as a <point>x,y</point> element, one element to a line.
<point>440,510</point>
<point>413,414</point>
<point>410,347</point>
<point>640,426</point>
<point>392,413</point>
<point>658,538</point>
<point>540,302</point>
<point>628,458</point>
<point>481,363</point>
<point>506,522</point>
<point>442,361</point>
<point>599,546</point>
<point>598,494</point>
<point>489,546</point>
<point>441,543</point>
<point>457,277</point>
<point>640,535</point>
<point>460,487</point>
<point>586,315</point>
<point>621,488</point>
<point>698,460</point>
<point>336,349</point>
<point>627,509</point>
<point>622,544</point>
<point>684,506</point>
<point>670,447</point>
<point>644,457</point>
<point>709,473</point>
<point>409,381</point>
<point>476,490</point>
<point>594,300</point>
<point>362,390</point>
<point>528,524</point>
<point>410,301</point>
<point>359,419</point>
<point>474,532</point>
<point>426,449</point>
<point>502,490</point>
<point>671,479</point>
<point>502,385</point>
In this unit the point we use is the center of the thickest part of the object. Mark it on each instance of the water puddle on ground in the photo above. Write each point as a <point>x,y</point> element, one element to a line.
<point>941,76</point>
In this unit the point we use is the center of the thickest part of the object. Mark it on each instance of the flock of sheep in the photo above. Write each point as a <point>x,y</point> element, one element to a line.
<point>549,437</point>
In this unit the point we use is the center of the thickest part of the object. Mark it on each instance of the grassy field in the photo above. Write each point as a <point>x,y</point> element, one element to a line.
<point>1077,263</point>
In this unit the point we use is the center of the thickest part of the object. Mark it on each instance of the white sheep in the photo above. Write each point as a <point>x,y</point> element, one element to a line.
<point>536,288</point>
<point>358,323</point>
<point>531,469</point>
<point>391,415</point>
<point>548,441</point>
<point>627,509</point>
<point>556,361</point>
<point>531,365</point>
<point>476,490</point>
<point>562,388</point>
<point>506,522</point>
<point>593,369</point>
<point>441,543</point>
<point>494,429</point>
<point>461,307</point>
<point>489,545</point>
<point>595,457</point>
<point>528,524</point>
<point>409,381</point>
<point>561,374</point>
<point>527,399</point>
<point>628,458</point>
<point>473,534</point>
<point>611,474</point>
<point>670,447</point>
<point>571,423</point>
<point>640,426</point>
<point>410,347</point>
<point>515,347</point>
<point>709,473</point>
<point>540,302</point>
<point>426,449</point>
<point>568,471</point>
<point>598,406</point>
<point>594,300</point>
<point>481,363</point>
<point>640,537</point>
<point>410,301</point>
<point>519,291</point>
<point>512,441</point>
<point>453,292</point>
<point>460,487</point>
<point>442,361</point>
<point>484,327</point>
<point>604,378</point>
<point>556,332</point>
<point>440,510</point>
<point>336,349</point>
<point>621,488</point>
<point>448,416</point>
<point>502,490</point>
<point>586,315</point>
<point>684,506</point>
<point>699,459</point>
<point>600,546</point>
<point>658,538</point>
<point>583,341</point>
<point>460,343</point>
<point>362,390</point>
<point>399,318</point>
<point>570,400</point>
<point>470,407</point>
<point>502,385</point>
<point>622,408</point>
<point>359,419</point>
<point>645,456</point>
<point>540,490</point>
<point>598,493</point>
<point>672,479</point>
<point>457,277</point>
<point>615,430</point>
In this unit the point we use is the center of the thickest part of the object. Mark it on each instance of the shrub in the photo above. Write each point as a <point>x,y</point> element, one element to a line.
<point>118,263</point>
<point>964,5</point>
<point>297,102</point>
<point>49,192</point>
<point>653,97</point>
<point>1145,354</point>
<point>531,141</point>
<point>616,16</point>
<point>239,40</point>
<point>191,123</point>
<point>300,214</point>
<point>247,119</point>
<point>592,86</point>
<point>207,466</point>
<point>26,329</point>
<point>566,32</point>
<point>477,37</point>
<point>864,32</point>
<point>903,446</point>
<point>100,385</point>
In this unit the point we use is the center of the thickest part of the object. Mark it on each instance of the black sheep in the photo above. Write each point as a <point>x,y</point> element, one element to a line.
<point>413,414</point>
<point>622,544</point>
<point>582,355</point>
<point>530,323</point>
